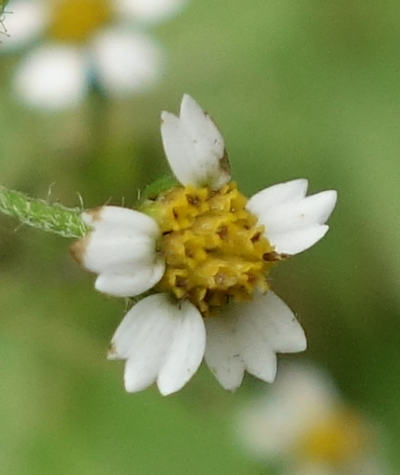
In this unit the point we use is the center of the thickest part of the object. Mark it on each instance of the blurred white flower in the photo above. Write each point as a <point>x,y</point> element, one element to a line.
<point>25,23</point>
<point>204,254</point>
<point>149,10</point>
<point>303,425</point>
<point>52,76</point>
<point>74,42</point>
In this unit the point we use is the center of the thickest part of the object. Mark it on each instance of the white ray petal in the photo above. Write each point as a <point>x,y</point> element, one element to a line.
<point>272,322</point>
<point>140,318</point>
<point>26,20</point>
<point>52,77</point>
<point>266,326</point>
<point>257,354</point>
<point>126,62</point>
<point>148,11</point>
<point>141,373</point>
<point>139,279</point>
<point>186,351</point>
<point>292,221</point>
<point>314,209</point>
<point>178,146</point>
<point>222,351</point>
<point>143,338</point>
<point>161,341</point>
<point>111,218</point>
<point>247,336</point>
<point>117,252</point>
<point>198,124</point>
<point>121,248</point>
<point>194,146</point>
<point>277,194</point>
<point>294,242</point>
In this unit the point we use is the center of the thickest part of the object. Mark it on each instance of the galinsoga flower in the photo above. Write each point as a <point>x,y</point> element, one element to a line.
<point>303,426</point>
<point>84,42</point>
<point>203,252</point>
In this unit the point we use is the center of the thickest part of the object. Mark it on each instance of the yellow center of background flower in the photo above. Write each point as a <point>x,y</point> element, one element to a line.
<point>76,20</point>
<point>335,439</point>
<point>213,248</point>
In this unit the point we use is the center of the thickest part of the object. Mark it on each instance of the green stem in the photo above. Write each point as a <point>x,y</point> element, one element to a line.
<point>53,218</point>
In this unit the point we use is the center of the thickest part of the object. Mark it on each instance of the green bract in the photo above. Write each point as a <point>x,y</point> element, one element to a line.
<point>50,217</point>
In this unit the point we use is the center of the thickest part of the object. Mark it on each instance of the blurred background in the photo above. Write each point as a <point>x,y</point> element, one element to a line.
<point>299,89</point>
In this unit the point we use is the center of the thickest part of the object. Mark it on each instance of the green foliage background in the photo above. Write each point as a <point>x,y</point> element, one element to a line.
<point>299,89</point>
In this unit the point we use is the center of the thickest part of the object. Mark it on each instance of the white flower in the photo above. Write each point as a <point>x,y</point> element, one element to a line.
<point>204,255</point>
<point>52,77</point>
<point>81,41</point>
<point>303,425</point>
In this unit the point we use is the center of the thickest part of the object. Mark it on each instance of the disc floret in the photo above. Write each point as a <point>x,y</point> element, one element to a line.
<point>213,247</point>
<point>76,20</point>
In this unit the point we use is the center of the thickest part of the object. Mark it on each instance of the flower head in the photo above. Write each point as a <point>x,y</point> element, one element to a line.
<point>203,251</point>
<point>81,42</point>
<point>304,426</point>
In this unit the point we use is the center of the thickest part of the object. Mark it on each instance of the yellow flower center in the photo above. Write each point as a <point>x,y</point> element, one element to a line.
<point>335,439</point>
<point>76,20</point>
<point>213,247</point>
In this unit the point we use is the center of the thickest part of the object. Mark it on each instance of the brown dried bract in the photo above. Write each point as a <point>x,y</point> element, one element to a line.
<point>95,213</point>
<point>78,249</point>
<point>224,163</point>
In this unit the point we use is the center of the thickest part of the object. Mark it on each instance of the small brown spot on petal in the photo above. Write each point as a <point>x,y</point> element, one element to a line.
<point>95,213</point>
<point>78,249</point>
<point>224,163</point>
<point>112,350</point>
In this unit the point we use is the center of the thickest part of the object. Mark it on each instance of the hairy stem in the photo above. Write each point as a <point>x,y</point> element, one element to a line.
<point>53,218</point>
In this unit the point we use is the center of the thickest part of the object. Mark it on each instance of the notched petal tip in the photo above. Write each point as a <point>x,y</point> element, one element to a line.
<point>187,98</point>
<point>167,391</point>
<point>300,343</point>
<point>230,386</point>
<point>188,101</point>
<point>303,344</point>
<point>331,200</point>
<point>185,352</point>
